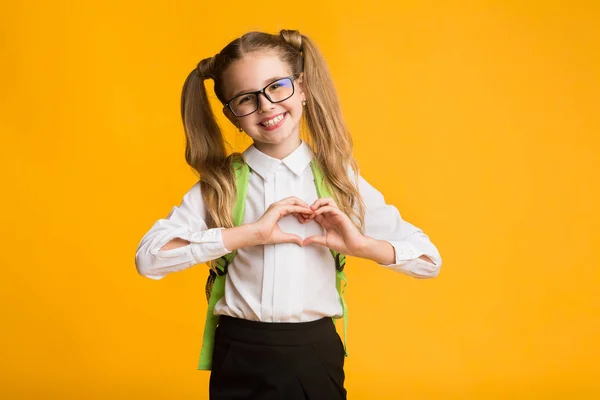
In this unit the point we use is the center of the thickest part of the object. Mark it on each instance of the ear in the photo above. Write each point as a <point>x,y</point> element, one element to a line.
<point>301,86</point>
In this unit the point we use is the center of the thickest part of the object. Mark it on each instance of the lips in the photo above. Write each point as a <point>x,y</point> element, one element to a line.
<point>273,122</point>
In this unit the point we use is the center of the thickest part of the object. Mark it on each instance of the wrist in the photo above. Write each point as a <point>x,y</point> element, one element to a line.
<point>380,251</point>
<point>254,235</point>
<point>365,248</point>
<point>241,236</point>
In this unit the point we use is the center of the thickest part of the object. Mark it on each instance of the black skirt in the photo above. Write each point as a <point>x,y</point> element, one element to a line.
<point>279,360</point>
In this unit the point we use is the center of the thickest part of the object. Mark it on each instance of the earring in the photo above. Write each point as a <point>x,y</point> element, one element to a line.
<point>240,128</point>
<point>303,103</point>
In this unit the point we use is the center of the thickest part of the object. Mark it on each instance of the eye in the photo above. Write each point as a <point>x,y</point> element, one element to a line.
<point>275,86</point>
<point>244,99</point>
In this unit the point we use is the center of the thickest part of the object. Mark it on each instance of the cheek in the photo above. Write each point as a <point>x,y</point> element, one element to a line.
<point>296,109</point>
<point>249,122</point>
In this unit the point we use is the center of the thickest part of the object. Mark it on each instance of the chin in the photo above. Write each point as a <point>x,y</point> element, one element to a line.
<point>276,136</point>
<point>276,140</point>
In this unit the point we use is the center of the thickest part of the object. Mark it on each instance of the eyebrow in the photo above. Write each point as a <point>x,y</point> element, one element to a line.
<point>271,80</point>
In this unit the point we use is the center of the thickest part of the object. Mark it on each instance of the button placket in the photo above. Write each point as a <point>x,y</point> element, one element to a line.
<point>289,257</point>
<point>268,258</point>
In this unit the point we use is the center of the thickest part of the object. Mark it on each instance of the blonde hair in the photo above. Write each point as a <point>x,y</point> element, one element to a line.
<point>328,135</point>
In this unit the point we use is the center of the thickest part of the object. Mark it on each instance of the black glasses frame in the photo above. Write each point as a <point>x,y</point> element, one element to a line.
<point>258,92</point>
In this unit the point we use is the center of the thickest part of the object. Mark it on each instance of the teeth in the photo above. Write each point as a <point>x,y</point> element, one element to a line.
<point>273,121</point>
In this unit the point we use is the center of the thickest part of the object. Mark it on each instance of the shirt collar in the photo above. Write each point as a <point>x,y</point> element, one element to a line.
<point>263,164</point>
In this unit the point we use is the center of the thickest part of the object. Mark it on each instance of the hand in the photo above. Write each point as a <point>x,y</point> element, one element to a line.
<point>341,234</point>
<point>267,228</point>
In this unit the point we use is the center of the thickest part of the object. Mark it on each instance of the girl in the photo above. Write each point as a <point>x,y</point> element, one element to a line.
<point>275,338</point>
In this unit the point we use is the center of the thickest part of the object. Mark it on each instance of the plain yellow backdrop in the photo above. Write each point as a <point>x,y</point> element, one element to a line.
<point>478,120</point>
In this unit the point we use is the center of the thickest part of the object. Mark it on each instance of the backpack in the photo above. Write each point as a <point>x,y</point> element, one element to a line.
<point>215,284</point>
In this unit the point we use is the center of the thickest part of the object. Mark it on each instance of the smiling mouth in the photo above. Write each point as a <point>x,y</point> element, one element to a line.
<point>273,121</point>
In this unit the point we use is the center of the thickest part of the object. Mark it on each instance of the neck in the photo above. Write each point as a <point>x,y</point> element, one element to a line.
<point>279,151</point>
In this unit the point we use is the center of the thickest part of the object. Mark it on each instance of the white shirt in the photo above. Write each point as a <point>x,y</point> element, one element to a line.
<point>280,282</point>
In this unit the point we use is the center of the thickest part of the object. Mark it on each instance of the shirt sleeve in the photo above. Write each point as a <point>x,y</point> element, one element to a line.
<point>384,222</point>
<point>185,221</point>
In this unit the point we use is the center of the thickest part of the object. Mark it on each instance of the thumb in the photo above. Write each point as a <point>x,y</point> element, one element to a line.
<point>320,240</point>
<point>289,238</point>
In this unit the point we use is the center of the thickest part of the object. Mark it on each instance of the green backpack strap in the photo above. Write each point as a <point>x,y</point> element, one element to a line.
<point>341,282</point>
<point>242,173</point>
<point>340,259</point>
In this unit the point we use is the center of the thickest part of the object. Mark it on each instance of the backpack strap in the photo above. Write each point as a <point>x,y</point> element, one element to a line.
<point>340,259</point>
<point>217,279</point>
<point>340,283</point>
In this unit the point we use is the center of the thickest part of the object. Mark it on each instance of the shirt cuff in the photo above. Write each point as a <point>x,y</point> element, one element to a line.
<point>408,261</point>
<point>207,245</point>
<point>405,251</point>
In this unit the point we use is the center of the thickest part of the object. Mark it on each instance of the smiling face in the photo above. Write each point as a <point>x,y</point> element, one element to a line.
<point>274,127</point>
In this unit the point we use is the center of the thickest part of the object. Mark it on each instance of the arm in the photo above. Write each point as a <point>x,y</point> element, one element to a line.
<point>233,238</point>
<point>383,252</point>
<point>179,241</point>
<point>393,242</point>
<point>183,239</point>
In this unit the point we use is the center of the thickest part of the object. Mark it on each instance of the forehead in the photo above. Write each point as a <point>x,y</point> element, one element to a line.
<point>253,72</point>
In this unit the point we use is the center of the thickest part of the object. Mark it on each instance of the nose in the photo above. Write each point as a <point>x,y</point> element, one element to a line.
<point>264,104</point>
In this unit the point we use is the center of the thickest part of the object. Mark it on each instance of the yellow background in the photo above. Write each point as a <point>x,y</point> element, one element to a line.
<point>478,120</point>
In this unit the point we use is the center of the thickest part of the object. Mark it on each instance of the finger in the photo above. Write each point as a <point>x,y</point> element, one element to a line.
<point>327,210</point>
<point>283,210</point>
<point>325,201</point>
<point>302,218</point>
<point>289,209</point>
<point>289,238</point>
<point>306,208</point>
<point>319,240</point>
<point>293,200</point>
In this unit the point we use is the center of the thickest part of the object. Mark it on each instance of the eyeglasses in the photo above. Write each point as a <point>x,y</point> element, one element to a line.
<point>276,92</point>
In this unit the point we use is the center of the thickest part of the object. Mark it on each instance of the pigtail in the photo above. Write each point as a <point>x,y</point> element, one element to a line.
<point>205,148</point>
<point>205,144</point>
<point>326,126</point>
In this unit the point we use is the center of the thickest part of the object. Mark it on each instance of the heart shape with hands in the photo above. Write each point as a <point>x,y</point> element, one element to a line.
<point>341,234</point>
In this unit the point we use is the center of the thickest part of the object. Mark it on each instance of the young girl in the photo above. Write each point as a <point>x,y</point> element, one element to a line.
<point>275,337</point>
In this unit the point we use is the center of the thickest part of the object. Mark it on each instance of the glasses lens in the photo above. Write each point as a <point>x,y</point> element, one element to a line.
<point>244,104</point>
<point>280,90</point>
